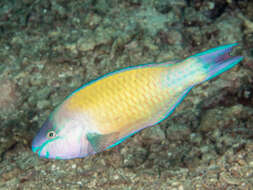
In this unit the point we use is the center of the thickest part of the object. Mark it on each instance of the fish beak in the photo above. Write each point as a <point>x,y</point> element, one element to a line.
<point>39,139</point>
<point>35,149</point>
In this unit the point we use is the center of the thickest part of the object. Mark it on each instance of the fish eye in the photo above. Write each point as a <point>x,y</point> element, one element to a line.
<point>51,134</point>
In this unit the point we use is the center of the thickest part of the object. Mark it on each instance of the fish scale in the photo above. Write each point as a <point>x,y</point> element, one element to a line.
<point>133,102</point>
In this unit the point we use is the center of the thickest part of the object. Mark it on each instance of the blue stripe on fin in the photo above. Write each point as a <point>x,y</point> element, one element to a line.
<point>217,60</point>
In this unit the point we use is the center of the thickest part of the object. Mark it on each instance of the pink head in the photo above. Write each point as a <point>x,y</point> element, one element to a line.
<point>62,137</point>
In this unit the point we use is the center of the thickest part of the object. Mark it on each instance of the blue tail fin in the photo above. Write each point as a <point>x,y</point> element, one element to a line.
<point>217,60</point>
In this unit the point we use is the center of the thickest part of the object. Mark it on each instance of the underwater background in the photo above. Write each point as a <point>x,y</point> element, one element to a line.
<point>50,48</point>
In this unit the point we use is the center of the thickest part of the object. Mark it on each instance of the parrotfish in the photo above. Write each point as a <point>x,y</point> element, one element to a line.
<point>103,113</point>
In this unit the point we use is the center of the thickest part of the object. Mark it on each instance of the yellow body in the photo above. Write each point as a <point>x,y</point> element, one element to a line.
<point>131,99</point>
<point>122,101</point>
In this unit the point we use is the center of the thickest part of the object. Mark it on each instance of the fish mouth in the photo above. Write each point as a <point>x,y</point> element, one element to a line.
<point>35,146</point>
<point>35,149</point>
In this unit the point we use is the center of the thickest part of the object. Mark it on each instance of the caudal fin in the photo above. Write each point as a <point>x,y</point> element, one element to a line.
<point>217,60</point>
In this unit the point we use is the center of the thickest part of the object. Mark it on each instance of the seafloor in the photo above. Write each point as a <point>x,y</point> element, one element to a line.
<point>48,48</point>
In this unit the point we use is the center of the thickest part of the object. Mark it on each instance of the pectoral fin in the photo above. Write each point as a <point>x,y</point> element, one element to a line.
<point>100,142</point>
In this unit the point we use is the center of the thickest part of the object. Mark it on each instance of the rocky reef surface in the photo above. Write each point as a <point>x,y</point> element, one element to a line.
<point>50,48</point>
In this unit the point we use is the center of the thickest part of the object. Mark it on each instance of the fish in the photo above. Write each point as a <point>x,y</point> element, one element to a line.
<point>105,112</point>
